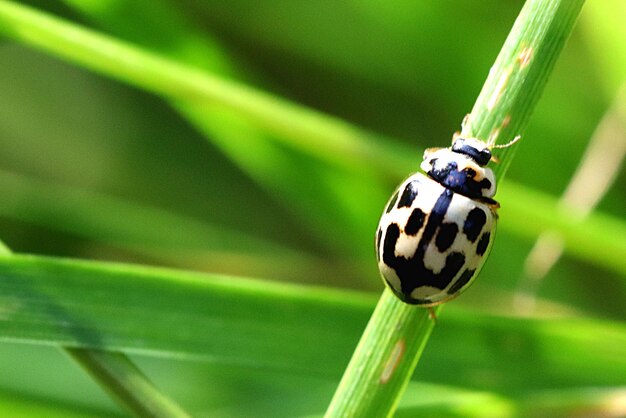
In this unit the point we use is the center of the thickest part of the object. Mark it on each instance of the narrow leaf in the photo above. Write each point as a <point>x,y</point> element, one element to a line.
<point>304,330</point>
<point>504,105</point>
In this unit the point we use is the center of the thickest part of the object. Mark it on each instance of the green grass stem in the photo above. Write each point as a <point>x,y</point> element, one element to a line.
<point>267,325</point>
<point>384,360</point>
<point>396,334</point>
<point>126,384</point>
<point>116,373</point>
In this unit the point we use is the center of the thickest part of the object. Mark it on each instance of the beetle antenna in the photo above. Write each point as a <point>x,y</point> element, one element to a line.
<point>513,141</point>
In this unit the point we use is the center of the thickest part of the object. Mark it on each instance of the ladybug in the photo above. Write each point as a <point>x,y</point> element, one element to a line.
<point>438,227</point>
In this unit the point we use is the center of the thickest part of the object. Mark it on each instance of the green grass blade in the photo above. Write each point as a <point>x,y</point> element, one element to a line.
<point>149,231</point>
<point>48,203</point>
<point>384,360</point>
<point>319,195</point>
<point>437,401</point>
<point>278,326</point>
<point>116,373</point>
<point>126,384</point>
<point>22,406</point>
<point>504,351</point>
<point>320,198</point>
<point>172,313</point>
<point>176,81</point>
<point>504,105</point>
<point>305,128</point>
<point>521,71</point>
<point>597,238</point>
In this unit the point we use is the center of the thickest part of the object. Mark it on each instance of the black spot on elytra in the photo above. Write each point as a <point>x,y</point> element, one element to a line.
<point>415,222</point>
<point>411,271</point>
<point>454,262</point>
<point>409,194</point>
<point>483,243</point>
<point>392,202</point>
<point>474,223</point>
<point>462,281</point>
<point>446,235</point>
<point>389,245</point>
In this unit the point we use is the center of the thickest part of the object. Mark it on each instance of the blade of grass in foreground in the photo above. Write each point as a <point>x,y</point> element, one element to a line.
<point>396,335</point>
<point>22,405</point>
<point>271,325</point>
<point>115,373</point>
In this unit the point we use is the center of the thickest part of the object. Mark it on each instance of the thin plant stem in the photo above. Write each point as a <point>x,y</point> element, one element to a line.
<point>117,374</point>
<point>396,334</point>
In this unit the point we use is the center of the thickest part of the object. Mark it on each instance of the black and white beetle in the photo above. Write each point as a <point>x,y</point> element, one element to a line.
<point>437,229</point>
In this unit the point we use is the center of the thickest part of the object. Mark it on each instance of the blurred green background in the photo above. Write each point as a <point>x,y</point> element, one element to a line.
<point>92,168</point>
